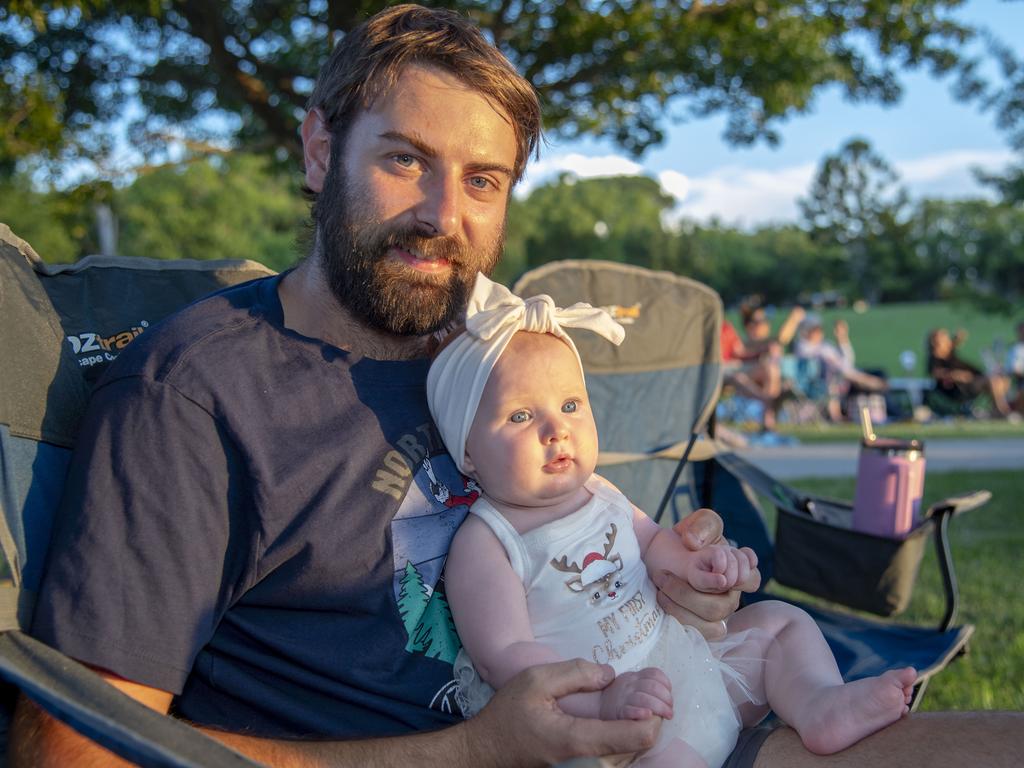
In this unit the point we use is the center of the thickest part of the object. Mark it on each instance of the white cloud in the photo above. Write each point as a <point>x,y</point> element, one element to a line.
<point>748,197</point>
<point>950,174</point>
<point>737,195</point>
<point>581,166</point>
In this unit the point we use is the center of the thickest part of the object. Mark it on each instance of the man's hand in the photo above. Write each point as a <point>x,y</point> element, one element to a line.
<point>705,611</point>
<point>523,726</point>
<point>637,696</point>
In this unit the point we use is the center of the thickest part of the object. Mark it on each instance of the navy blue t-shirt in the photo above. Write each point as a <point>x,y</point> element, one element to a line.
<point>258,521</point>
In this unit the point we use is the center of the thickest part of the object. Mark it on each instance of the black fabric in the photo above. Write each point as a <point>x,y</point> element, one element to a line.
<point>821,555</point>
<point>258,521</point>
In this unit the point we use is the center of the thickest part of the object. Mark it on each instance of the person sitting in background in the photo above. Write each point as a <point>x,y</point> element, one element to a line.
<point>753,365</point>
<point>1015,368</point>
<point>961,381</point>
<point>836,361</point>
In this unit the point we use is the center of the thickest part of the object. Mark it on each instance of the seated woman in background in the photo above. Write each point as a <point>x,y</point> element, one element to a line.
<point>959,380</point>
<point>752,365</point>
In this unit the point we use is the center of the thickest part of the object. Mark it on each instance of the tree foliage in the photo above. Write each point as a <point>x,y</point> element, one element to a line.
<point>616,219</point>
<point>237,207</point>
<point>242,207</point>
<point>973,250</point>
<point>856,202</point>
<point>614,68</point>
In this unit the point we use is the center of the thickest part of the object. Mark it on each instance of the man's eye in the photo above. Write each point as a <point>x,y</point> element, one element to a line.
<point>480,182</point>
<point>404,160</point>
<point>519,417</point>
<point>570,407</point>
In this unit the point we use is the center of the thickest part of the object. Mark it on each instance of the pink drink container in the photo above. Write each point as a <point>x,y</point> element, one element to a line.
<point>890,483</point>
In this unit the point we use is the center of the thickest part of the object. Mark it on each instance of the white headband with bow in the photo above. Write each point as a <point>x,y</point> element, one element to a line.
<point>460,371</point>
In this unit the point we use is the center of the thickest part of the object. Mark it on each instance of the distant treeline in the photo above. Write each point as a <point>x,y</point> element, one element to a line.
<point>239,206</point>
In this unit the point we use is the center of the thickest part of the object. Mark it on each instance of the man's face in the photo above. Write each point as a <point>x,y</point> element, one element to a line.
<point>414,203</point>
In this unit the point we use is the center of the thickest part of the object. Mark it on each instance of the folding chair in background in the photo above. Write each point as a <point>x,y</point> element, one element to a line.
<point>60,327</point>
<point>652,398</point>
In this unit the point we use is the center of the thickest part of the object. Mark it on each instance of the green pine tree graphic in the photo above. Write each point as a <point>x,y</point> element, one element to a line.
<point>436,632</point>
<point>412,603</point>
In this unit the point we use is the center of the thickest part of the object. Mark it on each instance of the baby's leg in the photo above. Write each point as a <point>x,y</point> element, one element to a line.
<point>805,689</point>
<point>675,754</point>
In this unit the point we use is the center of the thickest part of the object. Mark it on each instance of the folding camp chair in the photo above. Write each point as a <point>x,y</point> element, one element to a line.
<point>59,328</point>
<point>652,397</point>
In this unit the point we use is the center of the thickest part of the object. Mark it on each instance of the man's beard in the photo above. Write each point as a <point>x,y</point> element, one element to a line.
<point>383,292</point>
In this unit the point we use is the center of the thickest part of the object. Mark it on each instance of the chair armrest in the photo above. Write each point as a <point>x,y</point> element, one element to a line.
<point>957,505</point>
<point>80,698</point>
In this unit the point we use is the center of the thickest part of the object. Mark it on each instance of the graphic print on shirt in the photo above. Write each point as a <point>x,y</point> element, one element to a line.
<point>600,576</point>
<point>435,505</point>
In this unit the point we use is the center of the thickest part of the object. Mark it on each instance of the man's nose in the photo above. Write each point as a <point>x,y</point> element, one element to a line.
<point>440,209</point>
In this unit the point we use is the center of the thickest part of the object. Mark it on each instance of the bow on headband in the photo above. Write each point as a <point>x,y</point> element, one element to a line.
<point>460,371</point>
<point>493,309</point>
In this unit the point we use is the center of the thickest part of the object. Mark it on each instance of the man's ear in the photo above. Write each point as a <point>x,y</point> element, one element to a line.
<point>316,149</point>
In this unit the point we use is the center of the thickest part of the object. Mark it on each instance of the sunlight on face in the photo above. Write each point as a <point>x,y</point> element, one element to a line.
<point>533,442</point>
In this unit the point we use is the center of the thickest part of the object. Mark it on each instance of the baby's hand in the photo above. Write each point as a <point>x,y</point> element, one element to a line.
<point>637,696</point>
<point>718,567</point>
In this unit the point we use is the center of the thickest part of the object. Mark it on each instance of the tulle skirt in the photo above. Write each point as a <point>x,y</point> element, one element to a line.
<point>709,682</point>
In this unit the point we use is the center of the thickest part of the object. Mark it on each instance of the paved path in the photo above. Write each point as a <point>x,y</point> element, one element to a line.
<point>840,459</point>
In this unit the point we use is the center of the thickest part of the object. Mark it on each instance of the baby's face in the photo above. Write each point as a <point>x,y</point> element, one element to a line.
<point>533,442</point>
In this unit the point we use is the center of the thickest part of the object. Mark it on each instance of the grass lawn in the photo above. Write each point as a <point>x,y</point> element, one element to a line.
<point>987,547</point>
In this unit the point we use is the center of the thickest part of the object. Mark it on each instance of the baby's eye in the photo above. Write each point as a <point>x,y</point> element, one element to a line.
<point>570,406</point>
<point>519,417</point>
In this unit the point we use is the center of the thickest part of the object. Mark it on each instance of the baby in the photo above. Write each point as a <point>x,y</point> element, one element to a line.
<point>553,561</point>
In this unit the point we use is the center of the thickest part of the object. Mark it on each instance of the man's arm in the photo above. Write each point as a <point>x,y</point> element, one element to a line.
<point>522,726</point>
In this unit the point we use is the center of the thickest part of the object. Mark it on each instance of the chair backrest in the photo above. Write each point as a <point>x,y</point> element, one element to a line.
<point>660,386</point>
<point>60,326</point>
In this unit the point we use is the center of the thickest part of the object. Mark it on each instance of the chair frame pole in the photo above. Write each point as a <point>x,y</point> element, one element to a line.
<point>675,478</point>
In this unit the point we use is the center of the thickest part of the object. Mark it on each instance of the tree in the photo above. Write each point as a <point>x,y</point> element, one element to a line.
<point>972,250</point>
<point>777,263</point>
<point>855,202</point>
<point>233,207</point>
<point>620,69</point>
<point>617,218</point>
<point>239,206</point>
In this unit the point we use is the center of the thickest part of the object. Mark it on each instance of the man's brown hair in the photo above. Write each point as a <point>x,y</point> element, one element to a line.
<point>370,59</point>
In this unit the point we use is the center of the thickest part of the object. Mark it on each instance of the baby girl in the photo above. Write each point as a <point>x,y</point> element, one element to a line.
<point>553,561</point>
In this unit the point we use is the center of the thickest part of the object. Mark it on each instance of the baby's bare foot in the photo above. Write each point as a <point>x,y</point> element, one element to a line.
<point>842,715</point>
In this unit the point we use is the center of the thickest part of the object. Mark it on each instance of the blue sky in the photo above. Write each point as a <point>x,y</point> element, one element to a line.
<point>932,140</point>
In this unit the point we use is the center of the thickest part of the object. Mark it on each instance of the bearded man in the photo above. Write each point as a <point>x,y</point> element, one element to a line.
<point>256,517</point>
<point>252,528</point>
